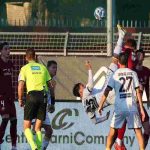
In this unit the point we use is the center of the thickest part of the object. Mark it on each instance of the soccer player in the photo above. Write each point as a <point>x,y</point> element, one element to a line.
<point>7,106</point>
<point>125,83</point>
<point>143,75</point>
<point>52,68</point>
<point>36,78</point>
<point>90,99</point>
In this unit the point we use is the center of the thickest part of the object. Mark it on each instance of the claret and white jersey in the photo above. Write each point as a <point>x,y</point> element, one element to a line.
<point>124,81</point>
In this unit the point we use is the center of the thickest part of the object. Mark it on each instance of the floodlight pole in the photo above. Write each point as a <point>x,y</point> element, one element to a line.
<point>109,28</point>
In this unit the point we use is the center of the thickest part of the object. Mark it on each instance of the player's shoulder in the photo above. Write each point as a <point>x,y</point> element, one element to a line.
<point>146,68</point>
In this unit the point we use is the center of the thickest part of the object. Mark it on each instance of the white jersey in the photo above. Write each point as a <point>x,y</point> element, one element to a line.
<point>90,99</point>
<point>124,81</point>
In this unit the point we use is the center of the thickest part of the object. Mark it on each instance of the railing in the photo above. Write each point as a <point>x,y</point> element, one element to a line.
<point>73,23</point>
<point>87,44</point>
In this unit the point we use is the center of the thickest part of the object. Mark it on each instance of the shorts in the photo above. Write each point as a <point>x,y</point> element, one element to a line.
<point>35,106</point>
<point>7,108</point>
<point>132,118</point>
<point>45,122</point>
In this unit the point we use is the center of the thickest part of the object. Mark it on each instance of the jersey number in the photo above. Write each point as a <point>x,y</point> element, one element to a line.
<point>124,81</point>
<point>2,103</point>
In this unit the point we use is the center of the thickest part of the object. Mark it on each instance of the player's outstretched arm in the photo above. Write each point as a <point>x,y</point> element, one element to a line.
<point>20,93</point>
<point>90,75</point>
<point>103,99</point>
<point>139,97</point>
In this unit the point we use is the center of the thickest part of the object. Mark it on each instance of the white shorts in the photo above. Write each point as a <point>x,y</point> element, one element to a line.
<point>45,122</point>
<point>132,118</point>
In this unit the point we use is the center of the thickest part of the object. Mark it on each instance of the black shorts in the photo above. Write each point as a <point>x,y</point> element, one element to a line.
<point>35,106</point>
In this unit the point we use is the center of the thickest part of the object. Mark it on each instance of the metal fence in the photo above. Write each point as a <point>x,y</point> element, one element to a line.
<point>87,44</point>
<point>73,23</point>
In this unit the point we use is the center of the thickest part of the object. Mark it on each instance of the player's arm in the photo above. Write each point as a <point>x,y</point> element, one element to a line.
<point>103,99</point>
<point>20,92</point>
<point>51,100</point>
<point>21,84</point>
<point>138,94</point>
<point>90,76</point>
<point>110,86</point>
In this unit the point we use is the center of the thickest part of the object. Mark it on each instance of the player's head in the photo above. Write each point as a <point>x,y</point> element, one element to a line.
<point>140,54</point>
<point>30,54</point>
<point>123,59</point>
<point>4,50</point>
<point>78,89</point>
<point>131,44</point>
<point>52,67</point>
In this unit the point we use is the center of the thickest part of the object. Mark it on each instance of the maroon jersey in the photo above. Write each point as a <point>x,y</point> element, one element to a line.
<point>6,87</point>
<point>131,59</point>
<point>144,75</point>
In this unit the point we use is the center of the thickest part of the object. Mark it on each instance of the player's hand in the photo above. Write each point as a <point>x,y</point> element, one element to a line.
<point>142,114</point>
<point>50,108</point>
<point>53,83</point>
<point>88,65</point>
<point>100,110</point>
<point>21,103</point>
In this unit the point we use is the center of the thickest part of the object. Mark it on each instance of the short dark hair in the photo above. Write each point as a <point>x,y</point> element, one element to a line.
<point>30,52</point>
<point>51,62</point>
<point>140,51</point>
<point>123,58</point>
<point>76,90</point>
<point>131,43</point>
<point>3,44</point>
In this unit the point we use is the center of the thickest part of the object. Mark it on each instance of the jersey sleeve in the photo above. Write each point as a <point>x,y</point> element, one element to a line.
<point>111,82</point>
<point>135,80</point>
<point>22,76</point>
<point>89,85</point>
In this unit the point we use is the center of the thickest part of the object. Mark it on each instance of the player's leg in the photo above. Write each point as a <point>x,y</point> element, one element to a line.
<point>47,136</point>
<point>29,134</point>
<point>48,132</point>
<point>29,114</point>
<point>146,127</point>
<point>140,138</point>
<point>5,119</point>
<point>134,122</point>
<point>13,126</point>
<point>38,125</point>
<point>41,115</point>
<point>119,140</point>
<point>110,138</point>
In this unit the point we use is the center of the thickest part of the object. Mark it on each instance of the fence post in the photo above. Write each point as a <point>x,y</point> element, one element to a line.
<point>139,40</point>
<point>65,44</point>
<point>109,28</point>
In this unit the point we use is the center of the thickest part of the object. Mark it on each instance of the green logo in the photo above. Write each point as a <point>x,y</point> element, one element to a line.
<point>58,121</point>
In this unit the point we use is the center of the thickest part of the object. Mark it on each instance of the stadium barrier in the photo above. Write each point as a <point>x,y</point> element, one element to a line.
<point>73,130</point>
<point>63,44</point>
<point>61,22</point>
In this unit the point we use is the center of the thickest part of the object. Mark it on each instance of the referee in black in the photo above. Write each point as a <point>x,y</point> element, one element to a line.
<point>36,78</point>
